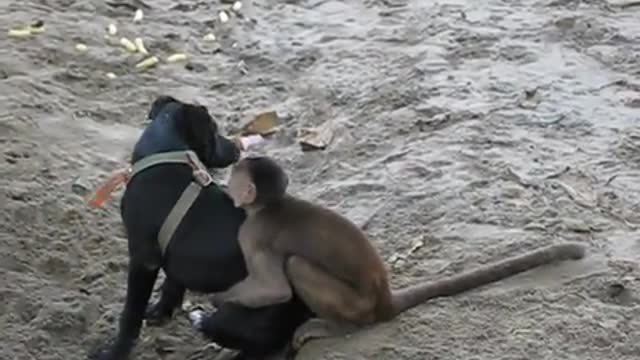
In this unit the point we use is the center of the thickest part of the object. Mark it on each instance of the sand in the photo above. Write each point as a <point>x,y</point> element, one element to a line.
<point>464,132</point>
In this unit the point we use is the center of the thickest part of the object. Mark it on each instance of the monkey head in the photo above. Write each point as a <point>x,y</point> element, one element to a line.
<point>256,182</point>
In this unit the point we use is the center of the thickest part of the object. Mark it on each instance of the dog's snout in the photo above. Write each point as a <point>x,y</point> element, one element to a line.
<point>226,152</point>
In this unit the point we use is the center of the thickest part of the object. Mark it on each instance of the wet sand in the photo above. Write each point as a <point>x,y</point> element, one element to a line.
<point>478,130</point>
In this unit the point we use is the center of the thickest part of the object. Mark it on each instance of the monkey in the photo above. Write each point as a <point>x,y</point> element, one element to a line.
<point>290,244</point>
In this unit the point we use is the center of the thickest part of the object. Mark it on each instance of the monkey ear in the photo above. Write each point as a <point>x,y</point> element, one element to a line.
<point>250,194</point>
<point>197,128</point>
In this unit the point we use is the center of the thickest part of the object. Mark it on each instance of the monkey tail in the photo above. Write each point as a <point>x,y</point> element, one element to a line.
<point>409,297</point>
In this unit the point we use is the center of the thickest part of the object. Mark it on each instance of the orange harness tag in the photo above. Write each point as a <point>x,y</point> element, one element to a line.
<point>103,194</point>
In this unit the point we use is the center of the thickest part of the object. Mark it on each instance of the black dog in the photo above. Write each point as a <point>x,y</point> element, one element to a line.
<point>203,255</point>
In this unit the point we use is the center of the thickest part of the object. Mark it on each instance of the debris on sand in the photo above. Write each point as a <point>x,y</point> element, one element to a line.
<point>27,31</point>
<point>263,124</point>
<point>242,66</point>
<point>148,63</point>
<point>624,3</point>
<point>140,46</point>
<point>317,138</point>
<point>112,29</point>
<point>137,17</point>
<point>530,100</point>
<point>399,260</point>
<point>81,48</point>
<point>128,44</point>
<point>224,16</point>
<point>177,57</point>
<point>20,33</point>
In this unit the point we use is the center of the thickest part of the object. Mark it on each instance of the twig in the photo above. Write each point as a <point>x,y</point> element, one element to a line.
<point>610,180</point>
<point>365,224</point>
<point>575,196</point>
<point>559,173</point>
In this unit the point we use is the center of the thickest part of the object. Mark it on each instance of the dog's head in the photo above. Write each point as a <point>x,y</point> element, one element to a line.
<point>176,125</point>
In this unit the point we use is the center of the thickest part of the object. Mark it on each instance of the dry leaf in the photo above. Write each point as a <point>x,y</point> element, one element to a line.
<point>416,246</point>
<point>530,100</point>
<point>263,124</point>
<point>316,138</point>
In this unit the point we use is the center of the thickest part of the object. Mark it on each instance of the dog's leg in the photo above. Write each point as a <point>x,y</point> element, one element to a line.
<point>171,297</point>
<point>257,332</point>
<point>139,286</point>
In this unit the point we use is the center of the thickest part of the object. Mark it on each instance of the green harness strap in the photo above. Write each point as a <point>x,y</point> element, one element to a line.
<point>176,157</point>
<point>189,194</point>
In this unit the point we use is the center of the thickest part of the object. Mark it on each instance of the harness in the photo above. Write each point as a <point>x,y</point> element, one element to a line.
<point>201,179</point>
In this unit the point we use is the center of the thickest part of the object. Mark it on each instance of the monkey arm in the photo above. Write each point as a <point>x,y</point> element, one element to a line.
<point>265,285</point>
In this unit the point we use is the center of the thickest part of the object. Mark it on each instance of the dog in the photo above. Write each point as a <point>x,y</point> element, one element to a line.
<point>203,254</point>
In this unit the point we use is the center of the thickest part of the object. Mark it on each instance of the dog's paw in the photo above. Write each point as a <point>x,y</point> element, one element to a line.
<point>197,318</point>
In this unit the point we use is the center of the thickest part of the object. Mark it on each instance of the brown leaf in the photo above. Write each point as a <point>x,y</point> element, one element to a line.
<point>315,138</point>
<point>263,124</point>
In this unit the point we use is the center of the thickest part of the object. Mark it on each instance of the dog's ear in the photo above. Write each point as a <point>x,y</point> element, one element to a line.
<point>158,104</point>
<point>197,129</point>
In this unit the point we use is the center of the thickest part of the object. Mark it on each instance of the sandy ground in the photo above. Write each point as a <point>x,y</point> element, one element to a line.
<point>477,129</point>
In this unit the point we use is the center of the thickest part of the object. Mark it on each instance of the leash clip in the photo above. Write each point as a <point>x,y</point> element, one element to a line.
<point>202,177</point>
<point>200,174</point>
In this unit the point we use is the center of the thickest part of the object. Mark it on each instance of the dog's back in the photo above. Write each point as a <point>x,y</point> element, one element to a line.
<point>207,230</point>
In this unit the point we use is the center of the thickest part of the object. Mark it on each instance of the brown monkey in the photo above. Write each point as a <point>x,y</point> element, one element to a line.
<point>288,242</point>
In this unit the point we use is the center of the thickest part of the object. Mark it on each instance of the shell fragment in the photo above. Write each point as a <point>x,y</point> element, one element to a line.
<point>130,46</point>
<point>112,29</point>
<point>81,48</point>
<point>224,17</point>
<point>148,63</point>
<point>20,33</point>
<point>209,37</point>
<point>27,31</point>
<point>177,57</point>
<point>140,46</point>
<point>111,75</point>
<point>138,16</point>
